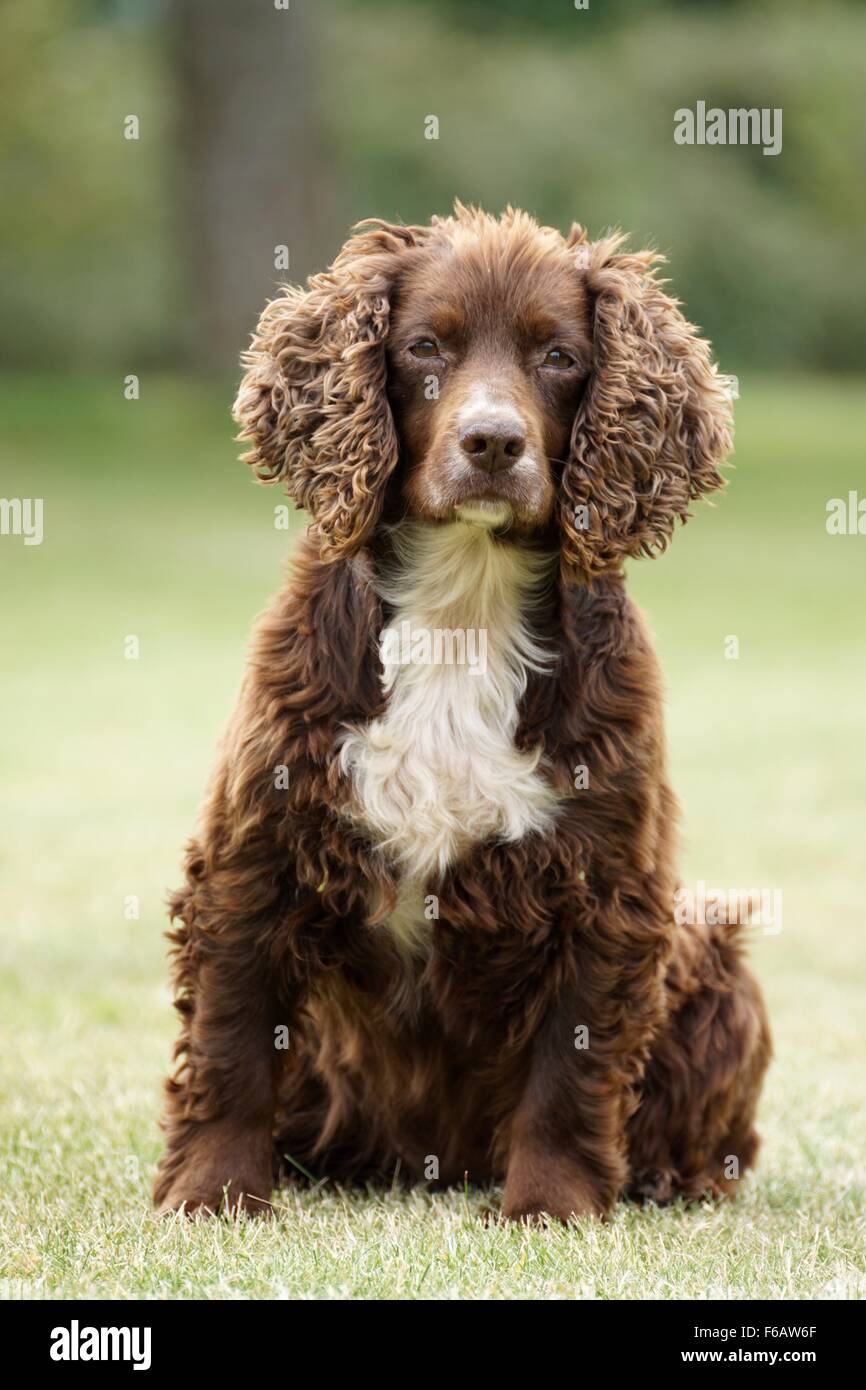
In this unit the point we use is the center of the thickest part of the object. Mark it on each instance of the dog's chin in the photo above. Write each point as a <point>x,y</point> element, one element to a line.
<point>490,514</point>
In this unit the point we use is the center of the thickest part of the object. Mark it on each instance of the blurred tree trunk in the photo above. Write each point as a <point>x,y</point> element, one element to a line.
<point>249,161</point>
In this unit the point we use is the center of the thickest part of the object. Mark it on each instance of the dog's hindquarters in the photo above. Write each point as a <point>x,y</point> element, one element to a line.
<point>692,1134</point>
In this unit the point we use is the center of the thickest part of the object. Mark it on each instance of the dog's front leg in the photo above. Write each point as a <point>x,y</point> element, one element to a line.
<point>567,1144</point>
<point>220,1102</point>
<point>567,1149</point>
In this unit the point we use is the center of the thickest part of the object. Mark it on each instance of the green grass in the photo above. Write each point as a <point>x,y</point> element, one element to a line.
<point>152,529</point>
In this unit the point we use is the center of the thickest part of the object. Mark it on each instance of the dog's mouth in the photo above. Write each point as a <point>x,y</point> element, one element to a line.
<point>494,497</point>
<point>448,488</point>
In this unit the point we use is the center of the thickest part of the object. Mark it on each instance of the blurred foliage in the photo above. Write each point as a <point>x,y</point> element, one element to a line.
<point>88,265</point>
<point>568,113</point>
<point>764,250</point>
<point>540,17</point>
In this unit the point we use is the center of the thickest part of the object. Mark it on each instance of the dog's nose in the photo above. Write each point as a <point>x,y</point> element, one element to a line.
<point>493,445</point>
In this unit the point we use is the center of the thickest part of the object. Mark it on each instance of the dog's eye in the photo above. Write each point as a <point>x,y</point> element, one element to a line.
<point>557,358</point>
<point>425,347</point>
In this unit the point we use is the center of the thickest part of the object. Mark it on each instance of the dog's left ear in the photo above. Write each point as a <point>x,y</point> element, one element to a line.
<point>312,403</point>
<point>655,421</point>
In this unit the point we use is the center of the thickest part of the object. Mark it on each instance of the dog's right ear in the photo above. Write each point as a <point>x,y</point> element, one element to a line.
<point>313,404</point>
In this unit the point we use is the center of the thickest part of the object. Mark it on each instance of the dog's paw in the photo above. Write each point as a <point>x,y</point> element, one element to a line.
<point>212,1172</point>
<point>657,1185</point>
<point>541,1211</point>
<point>548,1188</point>
<point>202,1199</point>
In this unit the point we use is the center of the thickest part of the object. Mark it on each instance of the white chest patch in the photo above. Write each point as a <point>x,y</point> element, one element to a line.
<point>439,771</point>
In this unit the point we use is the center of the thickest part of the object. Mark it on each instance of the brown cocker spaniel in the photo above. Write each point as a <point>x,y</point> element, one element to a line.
<point>428,917</point>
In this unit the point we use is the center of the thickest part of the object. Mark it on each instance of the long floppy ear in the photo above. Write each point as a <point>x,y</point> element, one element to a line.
<point>654,423</point>
<point>312,402</point>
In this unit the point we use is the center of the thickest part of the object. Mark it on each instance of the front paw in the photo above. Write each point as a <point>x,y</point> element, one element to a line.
<point>209,1169</point>
<point>198,1195</point>
<point>544,1187</point>
<point>556,1206</point>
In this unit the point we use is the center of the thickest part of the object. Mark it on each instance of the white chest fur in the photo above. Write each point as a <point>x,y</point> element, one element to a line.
<point>439,770</point>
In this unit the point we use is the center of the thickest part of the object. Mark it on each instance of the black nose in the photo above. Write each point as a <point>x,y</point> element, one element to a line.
<point>492,444</point>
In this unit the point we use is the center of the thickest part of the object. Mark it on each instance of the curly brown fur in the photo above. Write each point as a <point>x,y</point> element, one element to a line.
<point>462,1049</point>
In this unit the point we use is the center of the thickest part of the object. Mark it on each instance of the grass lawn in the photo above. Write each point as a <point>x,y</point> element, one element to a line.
<point>152,530</point>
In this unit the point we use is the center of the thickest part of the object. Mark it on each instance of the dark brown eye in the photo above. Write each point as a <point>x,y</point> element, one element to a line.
<point>425,347</point>
<point>557,358</point>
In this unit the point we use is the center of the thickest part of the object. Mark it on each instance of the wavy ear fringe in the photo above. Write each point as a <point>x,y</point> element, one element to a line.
<point>312,402</point>
<point>654,425</point>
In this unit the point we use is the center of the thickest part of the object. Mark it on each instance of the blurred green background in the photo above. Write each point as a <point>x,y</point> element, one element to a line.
<point>260,128</point>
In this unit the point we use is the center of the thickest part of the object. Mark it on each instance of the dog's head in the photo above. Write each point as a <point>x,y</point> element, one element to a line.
<point>493,371</point>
